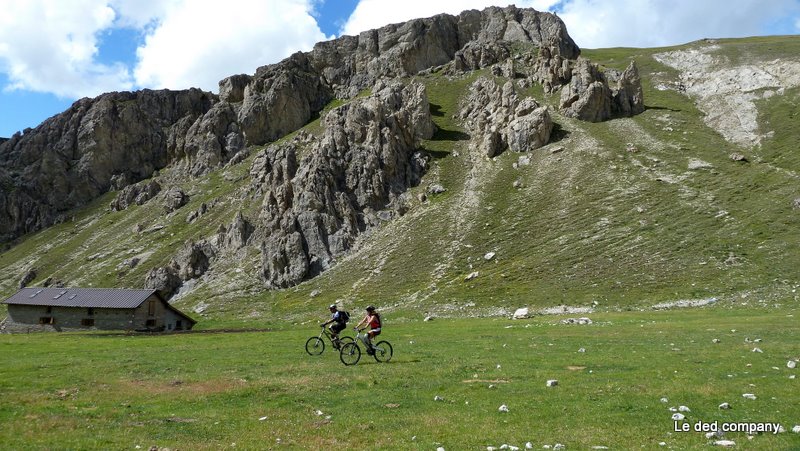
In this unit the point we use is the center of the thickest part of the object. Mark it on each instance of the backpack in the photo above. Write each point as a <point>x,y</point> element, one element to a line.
<point>344,317</point>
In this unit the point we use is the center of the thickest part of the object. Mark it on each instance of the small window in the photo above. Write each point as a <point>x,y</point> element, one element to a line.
<point>90,311</point>
<point>46,320</point>
<point>151,307</point>
<point>150,323</point>
<point>88,322</point>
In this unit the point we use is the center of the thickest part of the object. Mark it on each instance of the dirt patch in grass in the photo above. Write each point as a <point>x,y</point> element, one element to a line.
<point>178,386</point>
<point>486,381</point>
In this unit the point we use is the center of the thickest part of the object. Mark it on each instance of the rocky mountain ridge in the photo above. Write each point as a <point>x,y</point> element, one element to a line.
<point>78,155</point>
<point>514,197</point>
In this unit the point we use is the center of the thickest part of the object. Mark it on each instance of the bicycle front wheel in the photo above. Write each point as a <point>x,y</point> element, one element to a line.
<point>315,346</point>
<point>350,354</point>
<point>383,351</point>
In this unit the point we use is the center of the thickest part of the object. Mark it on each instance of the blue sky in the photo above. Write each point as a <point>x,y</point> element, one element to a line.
<point>55,52</point>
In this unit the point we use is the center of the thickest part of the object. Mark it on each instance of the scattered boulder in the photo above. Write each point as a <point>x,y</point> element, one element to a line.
<point>174,199</point>
<point>552,383</point>
<point>471,276</point>
<point>738,157</point>
<point>724,406</point>
<point>503,408</point>
<point>137,194</point>
<point>195,215</point>
<point>27,278</point>
<point>193,260</point>
<point>520,313</point>
<point>436,189</point>
<point>165,279</point>
<point>580,321</point>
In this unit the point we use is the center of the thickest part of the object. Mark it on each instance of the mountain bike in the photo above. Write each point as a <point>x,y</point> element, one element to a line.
<point>316,345</point>
<point>350,353</point>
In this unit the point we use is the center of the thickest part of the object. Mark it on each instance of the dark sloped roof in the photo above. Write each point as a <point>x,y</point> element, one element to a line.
<point>81,297</point>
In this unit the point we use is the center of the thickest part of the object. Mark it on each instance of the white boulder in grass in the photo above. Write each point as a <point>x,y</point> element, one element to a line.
<point>520,313</point>
<point>725,406</point>
<point>796,429</point>
<point>489,255</point>
<point>791,364</point>
<point>503,408</point>
<point>748,396</point>
<point>552,383</point>
<point>438,398</point>
<point>684,409</point>
<point>725,443</point>
<point>678,417</point>
<point>758,350</point>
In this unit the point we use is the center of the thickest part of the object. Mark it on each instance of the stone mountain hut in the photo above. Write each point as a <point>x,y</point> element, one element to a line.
<point>43,309</point>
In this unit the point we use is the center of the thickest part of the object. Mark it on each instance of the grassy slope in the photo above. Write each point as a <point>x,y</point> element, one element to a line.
<point>259,390</point>
<point>591,223</point>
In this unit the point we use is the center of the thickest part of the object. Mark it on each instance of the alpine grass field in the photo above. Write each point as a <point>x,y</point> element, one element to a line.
<point>260,390</point>
<point>612,218</point>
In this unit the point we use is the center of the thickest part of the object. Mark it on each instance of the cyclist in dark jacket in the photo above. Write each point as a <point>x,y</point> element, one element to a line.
<point>339,320</point>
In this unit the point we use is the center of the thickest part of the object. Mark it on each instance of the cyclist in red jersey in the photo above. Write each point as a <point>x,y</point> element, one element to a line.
<point>372,321</point>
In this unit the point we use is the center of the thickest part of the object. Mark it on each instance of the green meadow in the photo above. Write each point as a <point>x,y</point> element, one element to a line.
<point>443,387</point>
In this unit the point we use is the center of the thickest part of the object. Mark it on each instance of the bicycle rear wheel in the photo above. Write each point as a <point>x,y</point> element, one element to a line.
<point>383,351</point>
<point>315,346</point>
<point>350,354</point>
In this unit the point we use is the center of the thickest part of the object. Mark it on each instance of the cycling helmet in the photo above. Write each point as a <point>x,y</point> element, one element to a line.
<point>370,308</point>
<point>332,307</point>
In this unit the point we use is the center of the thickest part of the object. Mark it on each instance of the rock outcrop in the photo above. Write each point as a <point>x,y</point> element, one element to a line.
<point>137,194</point>
<point>594,95</point>
<point>357,173</point>
<point>191,262</point>
<point>174,199</point>
<point>352,63</point>
<point>121,138</point>
<point>73,157</point>
<point>499,120</point>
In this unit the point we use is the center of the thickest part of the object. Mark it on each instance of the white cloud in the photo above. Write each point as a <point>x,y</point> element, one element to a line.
<point>52,47</point>
<point>634,23</point>
<point>197,43</point>
<point>371,14</point>
<point>603,23</point>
